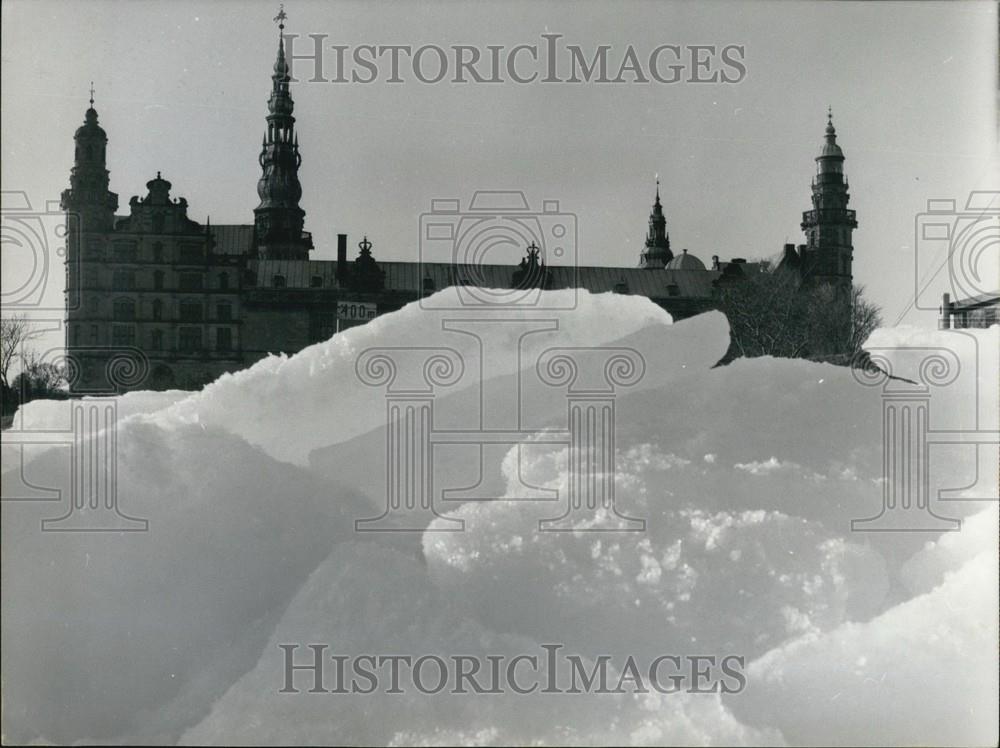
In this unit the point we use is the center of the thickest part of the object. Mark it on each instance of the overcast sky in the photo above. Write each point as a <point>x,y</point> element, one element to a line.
<point>182,88</point>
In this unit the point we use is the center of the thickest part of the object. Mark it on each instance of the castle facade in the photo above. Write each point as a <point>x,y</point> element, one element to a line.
<point>156,300</point>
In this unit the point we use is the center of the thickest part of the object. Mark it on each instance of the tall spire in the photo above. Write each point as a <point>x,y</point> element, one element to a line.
<point>656,253</point>
<point>279,220</point>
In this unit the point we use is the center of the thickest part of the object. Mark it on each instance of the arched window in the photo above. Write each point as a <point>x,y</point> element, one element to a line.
<point>157,309</point>
<point>124,309</point>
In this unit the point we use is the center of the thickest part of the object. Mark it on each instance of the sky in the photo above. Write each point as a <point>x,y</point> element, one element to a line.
<point>181,87</point>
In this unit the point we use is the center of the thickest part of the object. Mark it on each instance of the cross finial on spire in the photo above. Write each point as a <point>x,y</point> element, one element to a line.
<point>280,18</point>
<point>92,94</point>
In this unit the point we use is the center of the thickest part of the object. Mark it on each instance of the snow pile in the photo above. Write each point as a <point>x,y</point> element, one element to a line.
<point>925,670</point>
<point>747,478</point>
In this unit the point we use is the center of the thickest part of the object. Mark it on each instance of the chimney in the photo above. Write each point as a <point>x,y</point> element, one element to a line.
<point>715,262</point>
<point>341,257</point>
<point>944,323</point>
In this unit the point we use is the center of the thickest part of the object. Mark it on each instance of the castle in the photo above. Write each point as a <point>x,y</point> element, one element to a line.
<point>156,300</point>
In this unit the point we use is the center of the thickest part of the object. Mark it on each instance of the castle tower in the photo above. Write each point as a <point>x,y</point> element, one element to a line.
<point>278,219</point>
<point>829,248</point>
<point>88,199</point>
<point>90,216</point>
<point>656,253</point>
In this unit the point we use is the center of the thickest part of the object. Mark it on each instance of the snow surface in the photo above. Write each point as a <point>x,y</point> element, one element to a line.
<point>748,477</point>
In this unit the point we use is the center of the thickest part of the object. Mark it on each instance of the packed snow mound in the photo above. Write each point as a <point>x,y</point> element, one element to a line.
<point>923,672</point>
<point>54,415</point>
<point>136,632</point>
<point>409,614</point>
<point>747,478</point>
<point>319,389</point>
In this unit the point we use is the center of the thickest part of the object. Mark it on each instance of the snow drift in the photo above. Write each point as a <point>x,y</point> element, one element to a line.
<point>747,478</point>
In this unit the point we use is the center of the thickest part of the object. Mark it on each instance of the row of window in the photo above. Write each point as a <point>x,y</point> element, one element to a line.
<point>189,339</point>
<point>128,251</point>
<point>124,279</point>
<point>124,309</point>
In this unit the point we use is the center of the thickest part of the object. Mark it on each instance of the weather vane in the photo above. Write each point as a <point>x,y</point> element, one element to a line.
<point>92,93</point>
<point>280,18</point>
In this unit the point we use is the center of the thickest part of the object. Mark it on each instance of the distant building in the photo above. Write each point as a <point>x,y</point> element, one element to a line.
<point>977,311</point>
<point>155,300</point>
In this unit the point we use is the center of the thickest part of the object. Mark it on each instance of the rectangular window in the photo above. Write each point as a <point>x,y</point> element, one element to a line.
<point>122,335</point>
<point>125,251</point>
<point>191,281</point>
<point>157,340</point>
<point>191,254</point>
<point>190,339</point>
<point>224,311</point>
<point>123,280</point>
<point>223,339</point>
<point>191,311</point>
<point>123,309</point>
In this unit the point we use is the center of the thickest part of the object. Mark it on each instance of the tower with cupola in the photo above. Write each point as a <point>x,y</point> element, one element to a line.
<point>829,250</point>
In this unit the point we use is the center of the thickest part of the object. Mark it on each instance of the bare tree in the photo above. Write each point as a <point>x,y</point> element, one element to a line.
<point>15,331</point>
<point>768,316</point>
<point>771,313</point>
<point>39,379</point>
<point>840,323</point>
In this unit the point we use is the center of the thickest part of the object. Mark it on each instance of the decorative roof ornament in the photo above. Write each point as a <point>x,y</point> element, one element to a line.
<point>366,276</point>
